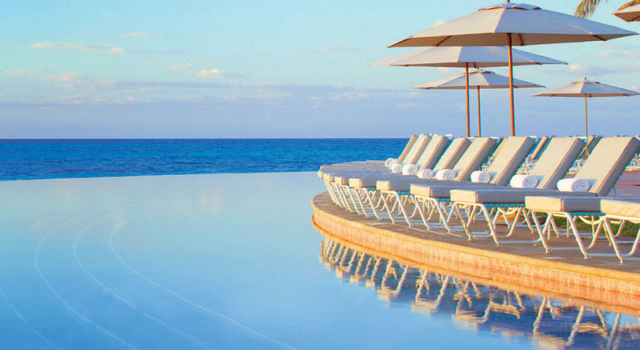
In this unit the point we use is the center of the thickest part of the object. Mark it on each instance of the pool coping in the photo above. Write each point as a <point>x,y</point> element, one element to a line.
<point>593,283</point>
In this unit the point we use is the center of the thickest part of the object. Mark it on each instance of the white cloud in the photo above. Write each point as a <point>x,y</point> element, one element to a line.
<point>211,74</point>
<point>79,47</point>
<point>448,71</point>
<point>65,77</point>
<point>349,96</point>
<point>185,66</point>
<point>136,35</point>
<point>408,105</point>
<point>22,71</point>
<point>437,23</point>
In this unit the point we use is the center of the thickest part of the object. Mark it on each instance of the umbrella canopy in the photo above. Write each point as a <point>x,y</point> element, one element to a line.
<point>587,88</point>
<point>513,25</point>
<point>629,14</point>
<point>522,24</point>
<point>465,57</point>
<point>460,56</point>
<point>479,79</point>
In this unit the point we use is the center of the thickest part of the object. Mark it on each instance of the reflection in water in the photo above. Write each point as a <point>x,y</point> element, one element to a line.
<point>546,322</point>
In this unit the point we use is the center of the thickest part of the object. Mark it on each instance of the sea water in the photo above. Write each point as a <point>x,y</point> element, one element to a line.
<point>42,159</point>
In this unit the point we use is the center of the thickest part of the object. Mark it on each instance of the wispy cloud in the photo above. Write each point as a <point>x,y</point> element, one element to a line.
<point>110,49</point>
<point>135,35</point>
<point>622,53</point>
<point>185,66</point>
<point>65,77</point>
<point>405,105</point>
<point>586,70</point>
<point>349,96</point>
<point>335,49</point>
<point>159,52</point>
<point>214,74</point>
<point>23,71</point>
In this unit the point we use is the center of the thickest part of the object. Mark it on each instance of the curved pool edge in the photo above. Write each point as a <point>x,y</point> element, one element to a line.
<point>614,288</point>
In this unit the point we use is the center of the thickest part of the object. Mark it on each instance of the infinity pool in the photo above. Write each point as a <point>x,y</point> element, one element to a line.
<point>230,262</point>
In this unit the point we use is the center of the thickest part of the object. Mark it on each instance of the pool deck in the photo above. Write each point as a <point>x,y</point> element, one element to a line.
<point>564,272</point>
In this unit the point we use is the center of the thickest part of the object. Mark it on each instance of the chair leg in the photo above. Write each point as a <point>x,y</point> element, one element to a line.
<point>576,233</point>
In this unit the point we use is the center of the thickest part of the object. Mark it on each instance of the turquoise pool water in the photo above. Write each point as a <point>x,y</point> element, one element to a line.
<point>227,261</point>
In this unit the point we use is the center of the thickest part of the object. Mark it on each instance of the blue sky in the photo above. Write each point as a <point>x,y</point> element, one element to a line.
<point>283,68</point>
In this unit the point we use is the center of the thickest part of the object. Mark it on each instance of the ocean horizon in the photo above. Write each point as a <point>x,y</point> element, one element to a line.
<point>27,159</point>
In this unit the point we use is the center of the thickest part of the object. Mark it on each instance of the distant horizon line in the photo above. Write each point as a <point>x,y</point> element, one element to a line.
<point>201,138</point>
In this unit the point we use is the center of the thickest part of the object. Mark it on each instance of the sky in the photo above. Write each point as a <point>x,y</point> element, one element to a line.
<point>276,69</point>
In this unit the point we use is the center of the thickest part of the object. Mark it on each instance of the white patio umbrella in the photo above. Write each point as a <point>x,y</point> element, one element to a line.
<point>629,14</point>
<point>465,57</point>
<point>513,25</point>
<point>479,79</point>
<point>587,89</point>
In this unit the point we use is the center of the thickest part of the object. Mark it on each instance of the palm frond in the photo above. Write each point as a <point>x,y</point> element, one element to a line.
<point>586,8</point>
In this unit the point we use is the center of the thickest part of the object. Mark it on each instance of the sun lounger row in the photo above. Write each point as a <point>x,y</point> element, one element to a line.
<point>445,182</point>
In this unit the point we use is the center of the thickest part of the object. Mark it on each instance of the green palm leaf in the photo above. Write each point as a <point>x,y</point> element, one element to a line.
<point>587,8</point>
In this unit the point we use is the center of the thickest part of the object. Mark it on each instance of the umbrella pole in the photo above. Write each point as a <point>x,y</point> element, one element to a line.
<point>513,114</point>
<point>466,68</point>
<point>586,128</point>
<point>479,125</point>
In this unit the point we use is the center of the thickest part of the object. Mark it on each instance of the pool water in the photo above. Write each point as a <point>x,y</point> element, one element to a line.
<point>226,261</point>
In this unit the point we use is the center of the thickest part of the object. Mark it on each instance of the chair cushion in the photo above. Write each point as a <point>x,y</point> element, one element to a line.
<point>492,195</point>
<point>431,191</point>
<point>361,183</point>
<point>504,194</point>
<point>341,180</point>
<point>585,203</point>
<point>395,185</point>
<point>626,208</point>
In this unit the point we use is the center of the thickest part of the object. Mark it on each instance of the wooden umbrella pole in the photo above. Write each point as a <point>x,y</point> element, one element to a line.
<point>479,123</point>
<point>513,114</point>
<point>586,128</point>
<point>466,68</point>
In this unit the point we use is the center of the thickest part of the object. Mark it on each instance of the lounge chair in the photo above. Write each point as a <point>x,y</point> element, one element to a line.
<point>364,187</point>
<point>436,196</point>
<point>624,211</point>
<point>474,154</point>
<point>541,144</point>
<point>602,170</point>
<point>326,172</point>
<point>554,163</point>
<point>373,164</point>
<point>427,159</point>
<point>336,178</point>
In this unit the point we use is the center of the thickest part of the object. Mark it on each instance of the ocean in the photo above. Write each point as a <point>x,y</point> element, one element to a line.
<point>74,158</point>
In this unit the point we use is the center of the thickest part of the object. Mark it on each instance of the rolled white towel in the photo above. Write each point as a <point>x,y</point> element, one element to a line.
<point>445,174</point>
<point>480,177</point>
<point>409,169</point>
<point>396,168</point>
<point>388,162</point>
<point>320,174</point>
<point>426,174</point>
<point>524,181</point>
<point>574,185</point>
